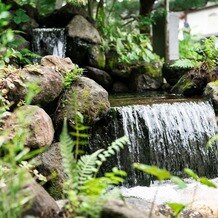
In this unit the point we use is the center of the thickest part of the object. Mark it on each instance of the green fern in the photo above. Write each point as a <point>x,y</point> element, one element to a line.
<point>83,189</point>
<point>185,64</point>
<point>86,167</point>
<point>66,147</point>
<point>71,76</point>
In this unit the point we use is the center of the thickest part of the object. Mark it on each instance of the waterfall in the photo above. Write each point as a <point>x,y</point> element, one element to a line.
<point>49,41</point>
<point>171,136</point>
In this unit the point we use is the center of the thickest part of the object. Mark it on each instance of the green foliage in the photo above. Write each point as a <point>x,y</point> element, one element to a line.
<point>195,54</point>
<point>9,44</point>
<point>181,5</point>
<point>14,171</point>
<point>43,6</point>
<point>214,138</point>
<point>78,2</point>
<point>185,63</point>
<point>202,180</point>
<point>71,76</point>
<point>176,208</point>
<point>161,174</point>
<point>20,16</point>
<point>132,48</point>
<point>83,188</point>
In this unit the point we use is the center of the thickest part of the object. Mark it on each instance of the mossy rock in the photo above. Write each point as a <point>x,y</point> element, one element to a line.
<point>15,84</point>
<point>118,70</point>
<point>145,77</point>
<point>211,91</point>
<point>49,164</point>
<point>84,96</point>
<point>191,84</point>
<point>173,74</point>
<point>96,57</point>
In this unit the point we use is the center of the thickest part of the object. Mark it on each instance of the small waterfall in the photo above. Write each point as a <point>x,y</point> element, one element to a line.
<point>49,41</point>
<point>171,136</point>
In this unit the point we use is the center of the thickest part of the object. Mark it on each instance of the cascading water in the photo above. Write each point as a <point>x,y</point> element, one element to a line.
<point>172,136</point>
<point>49,41</point>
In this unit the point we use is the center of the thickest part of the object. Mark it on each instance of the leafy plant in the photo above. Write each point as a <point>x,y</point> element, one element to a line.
<point>195,54</point>
<point>132,48</point>
<point>20,16</point>
<point>83,188</point>
<point>8,42</point>
<point>14,170</point>
<point>71,76</point>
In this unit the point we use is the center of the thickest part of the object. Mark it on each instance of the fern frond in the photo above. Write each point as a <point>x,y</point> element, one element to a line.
<point>66,147</point>
<point>212,141</point>
<point>184,63</point>
<point>86,167</point>
<point>114,148</point>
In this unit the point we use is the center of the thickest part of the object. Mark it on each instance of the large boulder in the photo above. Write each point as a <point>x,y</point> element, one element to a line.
<point>83,43</point>
<point>85,96</point>
<point>120,209</point>
<point>100,76</point>
<point>172,74</point>
<point>81,28</point>
<point>192,83</point>
<point>42,205</point>
<point>59,64</point>
<point>145,77</point>
<point>35,121</point>
<point>15,82</point>
<point>211,91</point>
<point>50,163</point>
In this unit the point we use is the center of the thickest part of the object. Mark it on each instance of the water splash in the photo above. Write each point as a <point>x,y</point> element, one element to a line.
<point>49,41</point>
<point>171,136</point>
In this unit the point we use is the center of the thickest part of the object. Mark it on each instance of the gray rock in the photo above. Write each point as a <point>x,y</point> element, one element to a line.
<point>35,120</point>
<point>90,99</point>
<point>211,91</point>
<point>79,27</point>
<point>42,205</point>
<point>145,77</point>
<point>100,76</point>
<point>49,82</point>
<point>193,82</point>
<point>120,209</point>
<point>173,74</point>
<point>62,65</point>
<point>50,163</point>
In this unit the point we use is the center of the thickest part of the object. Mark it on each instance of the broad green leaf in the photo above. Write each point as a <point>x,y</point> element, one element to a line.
<point>207,182</point>
<point>191,174</point>
<point>161,174</point>
<point>178,181</point>
<point>176,208</point>
<point>21,16</point>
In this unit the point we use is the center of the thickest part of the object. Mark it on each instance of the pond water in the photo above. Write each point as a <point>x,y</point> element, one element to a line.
<point>151,97</point>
